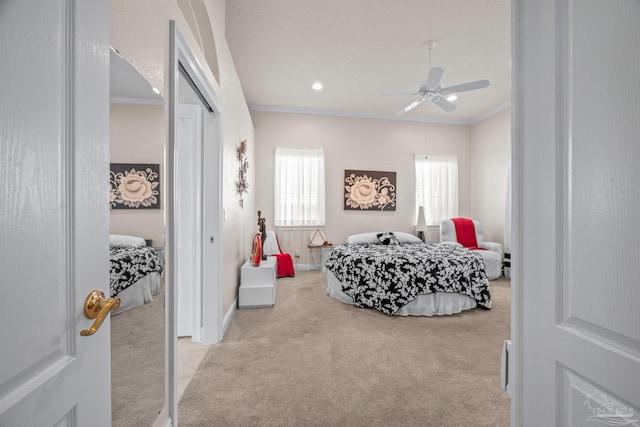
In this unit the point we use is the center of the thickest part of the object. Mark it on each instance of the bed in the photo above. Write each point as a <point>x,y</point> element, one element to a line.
<point>397,274</point>
<point>135,271</point>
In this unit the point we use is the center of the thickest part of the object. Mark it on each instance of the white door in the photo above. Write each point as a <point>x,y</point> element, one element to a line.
<point>577,210</point>
<point>188,217</point>
<point>54,155</point>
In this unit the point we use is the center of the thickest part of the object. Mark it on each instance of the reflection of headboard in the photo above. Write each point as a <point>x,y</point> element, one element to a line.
<point>125,241</point>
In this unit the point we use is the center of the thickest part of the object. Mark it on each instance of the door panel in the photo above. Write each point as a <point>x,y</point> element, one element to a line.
<point>577,312</point>
<point>585,402</point>
<point>53,216</point>
<point>188,160</point>
<point>601,129</point>
<point>37,246</point>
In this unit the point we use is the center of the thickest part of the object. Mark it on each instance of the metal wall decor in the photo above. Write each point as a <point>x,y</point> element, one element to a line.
<point>134,186</point>
<point>369,190</point>
<point>242,185</point>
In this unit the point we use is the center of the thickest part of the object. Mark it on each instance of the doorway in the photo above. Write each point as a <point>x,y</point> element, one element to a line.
<point>196,174</point>
<point>194,235</point>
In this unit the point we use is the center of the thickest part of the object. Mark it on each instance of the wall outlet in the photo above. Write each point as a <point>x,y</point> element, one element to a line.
<point>297,254</point>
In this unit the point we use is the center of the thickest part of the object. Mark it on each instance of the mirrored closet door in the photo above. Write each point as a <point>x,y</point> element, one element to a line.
<point>137,202</point>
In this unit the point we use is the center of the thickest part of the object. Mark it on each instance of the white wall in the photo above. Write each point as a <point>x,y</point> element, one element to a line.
<point>490,148</point>
<point>362,144</point>
<point>241,223</point>
<point>137,135</point>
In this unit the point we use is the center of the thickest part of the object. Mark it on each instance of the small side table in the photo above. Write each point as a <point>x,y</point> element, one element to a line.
<point>258,284</point>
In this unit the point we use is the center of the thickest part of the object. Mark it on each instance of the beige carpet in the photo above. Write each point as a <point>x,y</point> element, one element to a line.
<point>314,361</point>
<point>137,364</point>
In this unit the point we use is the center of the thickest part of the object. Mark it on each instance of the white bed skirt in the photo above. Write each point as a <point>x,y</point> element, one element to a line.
<point>140,293</point>
<point>437,304</point>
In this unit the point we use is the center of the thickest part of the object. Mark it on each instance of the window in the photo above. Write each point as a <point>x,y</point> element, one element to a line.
<point>437,187</point>
<point>299,187</point>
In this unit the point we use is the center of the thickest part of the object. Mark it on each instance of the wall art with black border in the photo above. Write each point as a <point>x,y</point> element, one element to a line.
<point>369,190</point>
<point>134,186</point>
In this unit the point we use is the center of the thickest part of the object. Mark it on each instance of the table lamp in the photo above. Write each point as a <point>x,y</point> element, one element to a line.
<point>421,225</point>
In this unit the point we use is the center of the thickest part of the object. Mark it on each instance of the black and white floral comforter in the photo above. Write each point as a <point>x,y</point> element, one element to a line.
<point>386,277</point>
<point>128,265</point>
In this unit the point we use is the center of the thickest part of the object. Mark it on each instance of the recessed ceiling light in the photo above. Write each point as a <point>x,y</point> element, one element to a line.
<point>452,97</point>
<point>317,86</point>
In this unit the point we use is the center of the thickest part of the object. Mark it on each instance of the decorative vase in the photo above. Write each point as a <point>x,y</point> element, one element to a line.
<point>256,256</point>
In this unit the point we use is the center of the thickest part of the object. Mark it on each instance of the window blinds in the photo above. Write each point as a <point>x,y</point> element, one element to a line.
<point>299,187</point>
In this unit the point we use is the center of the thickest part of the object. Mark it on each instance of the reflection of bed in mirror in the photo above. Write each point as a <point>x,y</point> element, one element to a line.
<point>137,135</point>
<point>135,271</point>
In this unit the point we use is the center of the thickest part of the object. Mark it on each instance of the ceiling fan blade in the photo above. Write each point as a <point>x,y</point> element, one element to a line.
<point>400,93</point>
<point>433,80</point>
<point>434,77</point>
<point>464,87</point>
<point>413,105</point>
<point>443,103</point>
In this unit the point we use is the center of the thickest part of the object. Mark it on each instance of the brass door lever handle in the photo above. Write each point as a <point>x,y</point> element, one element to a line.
<point>97,306</point>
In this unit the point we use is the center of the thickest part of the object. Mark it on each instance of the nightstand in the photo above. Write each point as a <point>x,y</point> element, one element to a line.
<point>258,284</point>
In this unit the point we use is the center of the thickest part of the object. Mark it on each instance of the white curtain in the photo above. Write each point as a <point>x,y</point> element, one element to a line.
<point>437,186</point>
<point>299,187</point>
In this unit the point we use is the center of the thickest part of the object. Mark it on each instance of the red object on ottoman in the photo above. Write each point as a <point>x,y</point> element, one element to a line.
<point>271,247</point>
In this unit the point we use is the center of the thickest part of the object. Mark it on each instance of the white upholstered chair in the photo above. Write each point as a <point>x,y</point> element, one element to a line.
<point>271,247</point>
<point>492,253</point>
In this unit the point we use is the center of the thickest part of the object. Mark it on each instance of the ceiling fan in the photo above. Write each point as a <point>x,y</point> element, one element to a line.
<point>431,88</point>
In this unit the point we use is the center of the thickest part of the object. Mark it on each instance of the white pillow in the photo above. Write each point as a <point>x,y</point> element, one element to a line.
<point>122,241</point>
<point>363,238</point>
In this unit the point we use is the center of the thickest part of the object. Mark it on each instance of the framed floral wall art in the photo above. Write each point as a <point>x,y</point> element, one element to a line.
<point>369,190</point>
<point>134,186</point>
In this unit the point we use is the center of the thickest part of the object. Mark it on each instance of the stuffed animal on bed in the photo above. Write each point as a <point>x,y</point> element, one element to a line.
<point>387,238</point>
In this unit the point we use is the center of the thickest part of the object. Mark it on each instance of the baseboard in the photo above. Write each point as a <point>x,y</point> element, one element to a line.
<point>228,316</point>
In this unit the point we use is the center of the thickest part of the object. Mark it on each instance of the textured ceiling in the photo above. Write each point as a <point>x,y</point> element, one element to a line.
<point>360,49</point>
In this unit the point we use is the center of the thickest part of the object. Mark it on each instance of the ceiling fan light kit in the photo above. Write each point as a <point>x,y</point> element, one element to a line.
<point>431,89</point>
<point>430,44</point>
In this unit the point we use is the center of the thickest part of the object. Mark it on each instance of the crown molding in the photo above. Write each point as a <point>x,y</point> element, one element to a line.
<point>394,117</point>
<point>490,112</point>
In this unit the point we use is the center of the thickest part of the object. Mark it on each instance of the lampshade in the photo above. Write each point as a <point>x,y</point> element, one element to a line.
<point>421,225</point>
